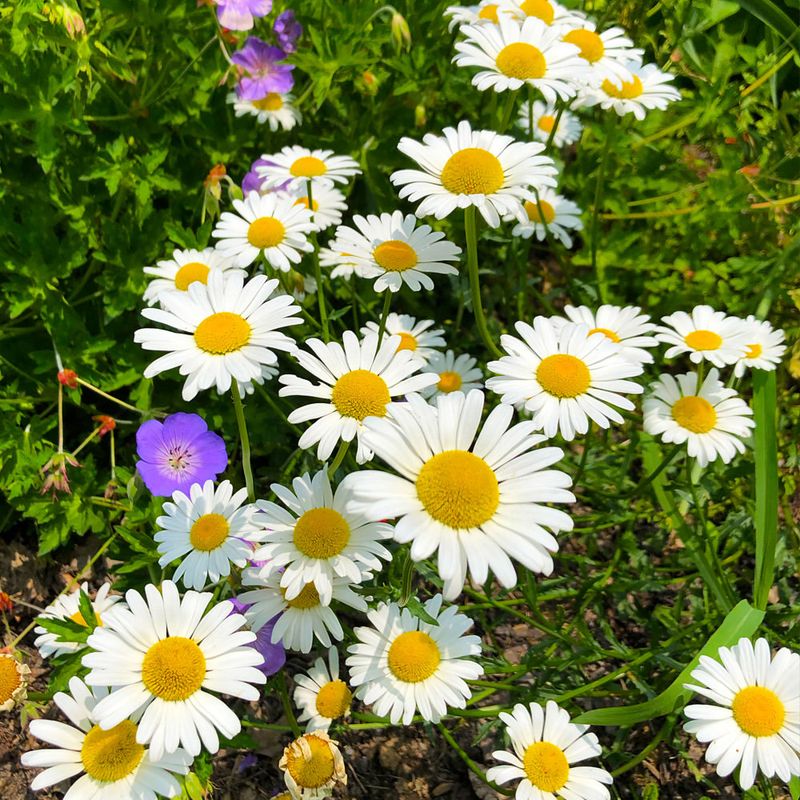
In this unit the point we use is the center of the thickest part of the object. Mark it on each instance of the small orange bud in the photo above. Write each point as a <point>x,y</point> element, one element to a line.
<point>6,603</point>
<point>731,140</point>
<point>106,423</point>
<point>68,378</point>
<point>751,170</point>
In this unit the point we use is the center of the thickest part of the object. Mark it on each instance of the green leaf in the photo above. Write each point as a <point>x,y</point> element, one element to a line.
<point>742,621</point>
<point>794,788</point>
<point>65,629</point>
<point>415,606</point>
<point>772,15</point>
<point>87,612</point>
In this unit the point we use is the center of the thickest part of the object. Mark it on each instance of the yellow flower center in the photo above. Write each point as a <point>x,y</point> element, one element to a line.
<point>303,201</point>
<point>703,340</point>
<point>407,342</point>
<point>546,123</point>
<point>111,755</point>
<point>360,394</point>
<point>321,533</point>
<point>271,102</point>
<point>629,90</point>
<point>266,232</point>
<point>209,532</point>
<point>546,766</point>
<point>314,771</point>
<point>308,167</point>
<point>758,711</point>
<point>395,256</point>
<point>694,413</point>
<point>10,680</point>
<point>548,212</point>
<point>606,332</point>
<point>589,43</point>
<point>488,12</point>
<point>333,700</point>
<point>308,598</point>
<point>563,376</point>
<point>522,61</point>
<point>222,333</point>
<point>174,668</point>
<point>754,351</point>
<point>541,9</point>
<point>458,489</point>
<point>78,617</point>
<point>449,382</point>
<point>414,657</point>
<point>189,273</point>
<point>472,170</point>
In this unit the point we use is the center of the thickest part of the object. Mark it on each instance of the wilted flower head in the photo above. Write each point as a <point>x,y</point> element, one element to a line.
<point>237,15</point>
<point>55,474</point>
<point>287,30</point>
<point>264,72</point>
<point>68,378</point>
<point>106,423</point>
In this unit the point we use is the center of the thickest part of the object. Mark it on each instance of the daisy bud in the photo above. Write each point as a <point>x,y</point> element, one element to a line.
<point>401,34</point>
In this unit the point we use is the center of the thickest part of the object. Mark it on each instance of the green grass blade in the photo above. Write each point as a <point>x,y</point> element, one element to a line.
<point>772,15</point>
<point>766,454</point>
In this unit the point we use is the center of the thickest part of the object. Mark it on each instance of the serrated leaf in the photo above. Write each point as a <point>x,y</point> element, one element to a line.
<point>417,608</point>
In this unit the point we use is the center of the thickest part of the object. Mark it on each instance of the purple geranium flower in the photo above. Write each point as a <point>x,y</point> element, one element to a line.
<point>265,74</point>
<point>287,31</point>
<point>274,654</point>
<point>237,15</point>
<point>177,453</point>
<point>252,180</point>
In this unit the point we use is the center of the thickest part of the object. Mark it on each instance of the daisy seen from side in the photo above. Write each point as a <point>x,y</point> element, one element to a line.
<point>754,722</point>
<point>464,168</point>
<point>13,681</point>
<point>321,694</point>
<point>274,109</point>
<point>473,492</point>
<point>606,55</point>
<point>415,335</point>
<point>296,166</point>
<point>546,748</point>
<point>568,127</point>
<point>167,658</point>
<point>455,373</point>
<point>765,347</point>
<point>548,11</point>
<point>711,419</point>
<point>312,766</point>
<point>483,13</point>
<point>340,261</point>
<point>224,331</point>
<point>327,204</point>
<point>705,334</point>
<point>549,213</point>
<point>565,376</point>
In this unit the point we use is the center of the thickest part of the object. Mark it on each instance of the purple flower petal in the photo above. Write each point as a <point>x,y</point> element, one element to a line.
<point>287,30</point>
<point>237,15</point>
<point>274,654</point>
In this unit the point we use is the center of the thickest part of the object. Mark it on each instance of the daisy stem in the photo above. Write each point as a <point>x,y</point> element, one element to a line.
<point>471,231</point>
<point>531,92</point>
<point>471,765</point>
<point>600,269</point>
<point>338,458</point>
<point>283,691</point>
<point>508,108</point>
<point>387,301</point>
<point>563,105</point>
<point>407,582</point>
<point>648,479</point>
<point>238,407</point>
<point>323,313</point>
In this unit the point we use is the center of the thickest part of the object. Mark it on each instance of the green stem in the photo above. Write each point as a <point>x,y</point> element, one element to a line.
<point>238,407</point>
<point>647,480</point>
<point>323,312</point>
<point>508,109</point>
<point>563,105</point>
<point>407,582</point>
<point>283,691</point>
<point>338,458</point>
<point>471,230</point>
<point>387,301</point>
<point>471,765</point>
<point>600,269</point>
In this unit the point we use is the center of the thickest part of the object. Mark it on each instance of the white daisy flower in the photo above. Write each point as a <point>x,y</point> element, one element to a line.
<point>312,766</point>
<point>163,656</point>
<point>224,331</point>
<point>549,213</point>
<point>414,336</point>
<point>271,224</point>
<point>647,89</point>
<point>466,168</point>
<point>209,530</point>
<point>321,695</point>
<point>706,335</point>
<point>711,419</point>
<point>568,130</point>
<point>183,269</point>
<point>475,497</point>
<point>765,347</point>
<point>606,56</point>
<point>328,204</point>
<point>755,724</point>
<point>624,325</point>
<point>274,108</point>
<point>302,619</point>
<point>314,537</point>
<point>296,166</point>
<point>564,376</point>
<point>392,249</point>
<point>13,682</point>
<point>66,606</point>
<point>548,11</point>
<point>513,54</point>
<point>342,263</point>
<point>355,380</point>
<point>455,373</point>
<point>546,745</point>
<point>403,665</point>
<point>112,763</point>
<point>481,14</point>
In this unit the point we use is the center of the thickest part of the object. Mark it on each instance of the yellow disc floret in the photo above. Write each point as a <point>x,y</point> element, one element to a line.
<point>414,657</point>
<point>546,123</point>
<point>189,273</point>
<point>609,334</point>
<point>695,414</point>
<point>458,489</point>
<point>548,212</point>
<point>541,9</point>
<point>221,333</point>
<point>754,351</point>
<point>563,375</point>
<point>78,618</point>
<point>449,382</point>
<point>10,679</point>
<point>311,764</point>
<point>521,61</point>
<point>629,90</point>
<point>266,232</point>
<point>270,102</point>
<point>208,532</point>
<point>333,699</point>
<point>407,342</point>
<point>308,167</point>
<point>174,668</point>
<point>590,44</point>
<point>546,766</point>
<point>489,12</point>
<point>395,256</point>
<point>473,170</point>
<point>321,533</point>
<point>111,755</point>
<point>758,711</point>
<point>308,598</point>
<point>360,394</point>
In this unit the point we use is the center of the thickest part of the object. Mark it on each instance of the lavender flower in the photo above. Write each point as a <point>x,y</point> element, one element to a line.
<point>265,74</point>
<point>237,15</point>
<point>287,31</point>
<point>177,453</point>
<point>274,654</point>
